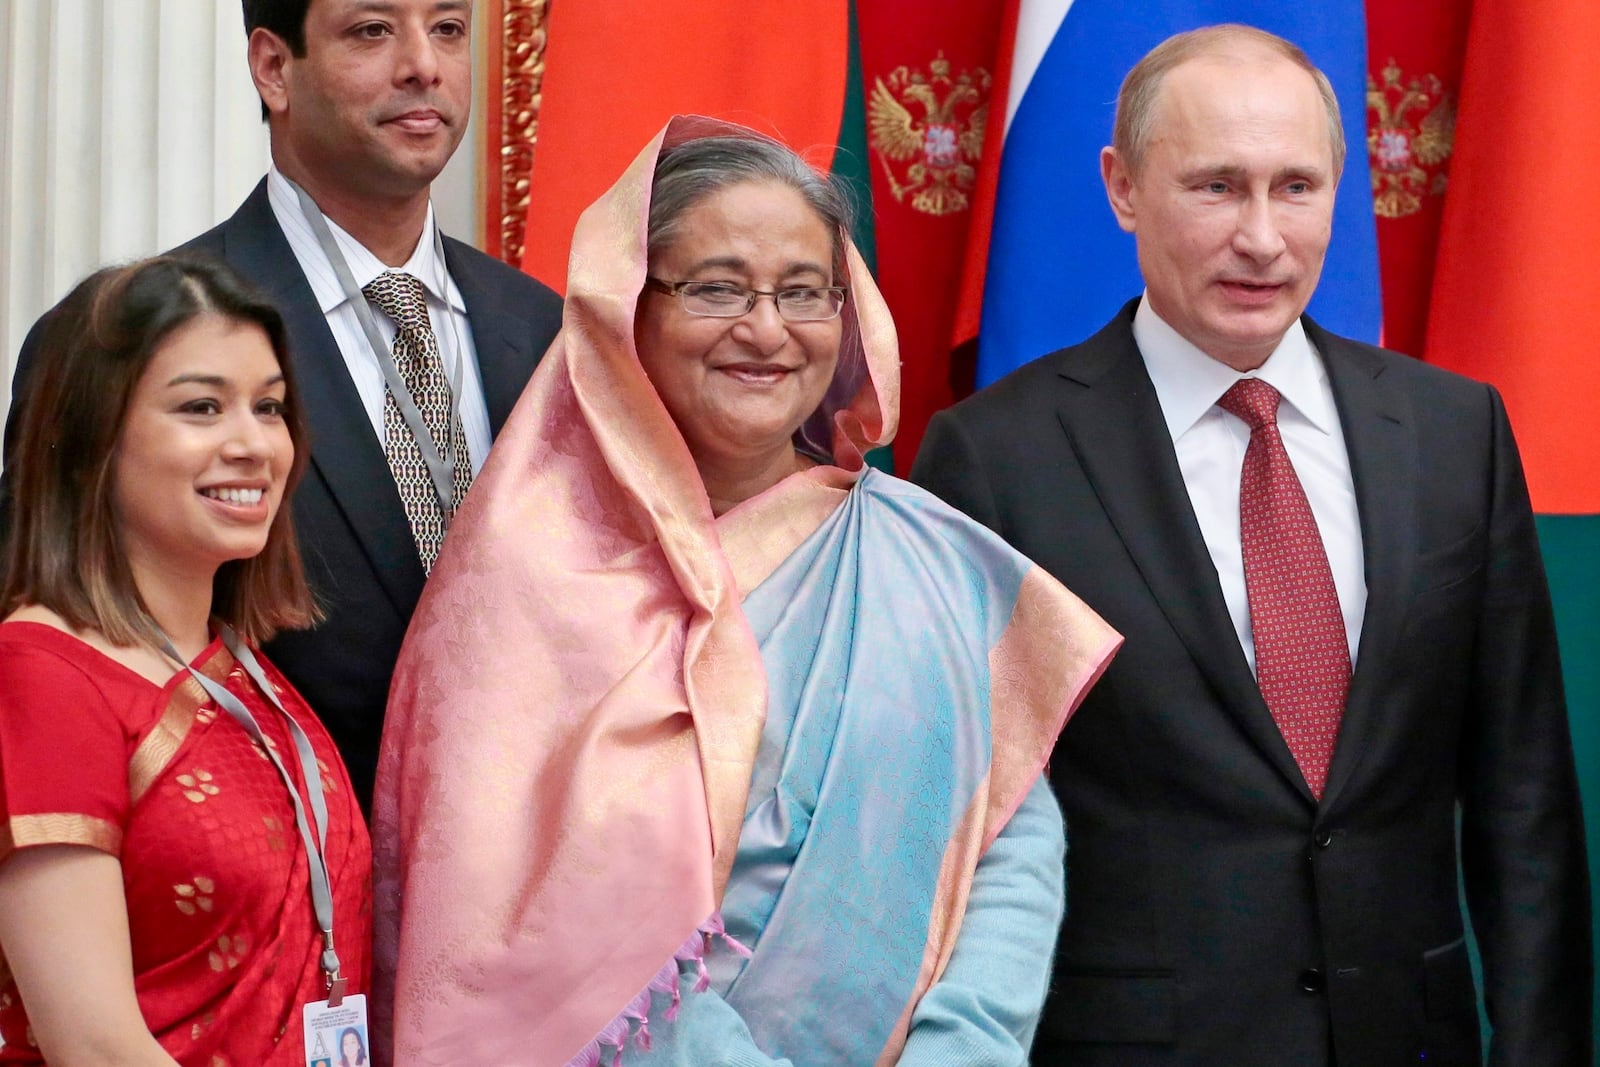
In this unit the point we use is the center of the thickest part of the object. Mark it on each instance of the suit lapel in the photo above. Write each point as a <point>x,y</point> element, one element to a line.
<point>1113,419</point>
<point>1379,435</point>
<point>503,342</point>
<point>344,450</point>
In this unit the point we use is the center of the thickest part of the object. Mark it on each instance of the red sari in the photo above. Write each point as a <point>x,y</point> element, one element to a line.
<point>225,949</point>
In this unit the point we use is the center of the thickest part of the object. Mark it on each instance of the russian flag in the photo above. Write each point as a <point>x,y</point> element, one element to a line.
<point>1048,265</point>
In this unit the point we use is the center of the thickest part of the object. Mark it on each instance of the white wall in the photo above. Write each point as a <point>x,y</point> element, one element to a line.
<point>456,196</point>
<point>127,127</point>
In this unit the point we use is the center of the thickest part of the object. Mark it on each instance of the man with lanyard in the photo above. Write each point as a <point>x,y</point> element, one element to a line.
<point>410,348</point>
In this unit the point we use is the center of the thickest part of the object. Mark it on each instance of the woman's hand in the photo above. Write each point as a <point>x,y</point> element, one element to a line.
<point>64,932</point>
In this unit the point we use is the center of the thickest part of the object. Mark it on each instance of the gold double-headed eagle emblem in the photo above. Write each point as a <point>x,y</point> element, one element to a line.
<point>931,157</point>
<point>1409,140</point>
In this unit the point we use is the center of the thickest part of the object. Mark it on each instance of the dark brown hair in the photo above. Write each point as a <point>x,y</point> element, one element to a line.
<point>65,551</point>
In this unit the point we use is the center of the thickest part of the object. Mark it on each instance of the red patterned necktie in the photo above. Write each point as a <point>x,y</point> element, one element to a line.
<point>1302,653</point>
<point>416,355</point>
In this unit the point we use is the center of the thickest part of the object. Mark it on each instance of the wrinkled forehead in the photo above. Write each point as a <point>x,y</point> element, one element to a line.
<point>1226,76</point>
<point>740,222</point>
<point>1249,95</point>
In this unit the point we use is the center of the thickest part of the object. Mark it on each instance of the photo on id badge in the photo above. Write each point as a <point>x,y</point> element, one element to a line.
<point>337,1037</point>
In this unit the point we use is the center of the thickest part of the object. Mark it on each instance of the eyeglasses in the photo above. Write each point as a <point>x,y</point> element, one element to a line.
<point>719,300</point>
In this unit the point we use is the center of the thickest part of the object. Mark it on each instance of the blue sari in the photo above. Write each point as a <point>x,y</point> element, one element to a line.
<point>876,635</point>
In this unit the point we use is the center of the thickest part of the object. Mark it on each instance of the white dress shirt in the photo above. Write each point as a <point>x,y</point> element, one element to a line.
<point>1211,443</point>
<point>446,310</point>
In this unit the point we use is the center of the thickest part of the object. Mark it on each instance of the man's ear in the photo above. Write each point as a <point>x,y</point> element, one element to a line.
<point>269,58</point>
<point>1119,186</point>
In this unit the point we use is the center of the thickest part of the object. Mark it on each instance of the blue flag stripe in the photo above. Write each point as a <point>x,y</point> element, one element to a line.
<point>1059,266</point>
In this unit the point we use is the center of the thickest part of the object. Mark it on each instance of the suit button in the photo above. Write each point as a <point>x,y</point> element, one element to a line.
<point>1312,980</point>
<point>1323,838</point>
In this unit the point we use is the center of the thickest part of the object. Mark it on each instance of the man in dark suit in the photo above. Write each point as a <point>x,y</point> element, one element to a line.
<point>1339,647</point>
<point>365,104</point>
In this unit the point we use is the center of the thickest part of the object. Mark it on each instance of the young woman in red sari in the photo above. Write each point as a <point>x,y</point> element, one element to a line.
<point>156,885</point>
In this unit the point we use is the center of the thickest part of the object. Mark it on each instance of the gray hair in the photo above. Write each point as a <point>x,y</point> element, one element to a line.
<point>691,171</point>
<point>1136,102</point>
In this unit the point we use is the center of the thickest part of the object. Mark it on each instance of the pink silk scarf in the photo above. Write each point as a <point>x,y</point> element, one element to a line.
<point>575,715</point>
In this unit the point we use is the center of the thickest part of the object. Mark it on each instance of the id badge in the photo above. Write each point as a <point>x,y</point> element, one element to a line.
<point>337,1037</point>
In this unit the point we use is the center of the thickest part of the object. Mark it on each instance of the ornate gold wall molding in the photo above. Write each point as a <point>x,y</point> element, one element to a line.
<point>516,76</point>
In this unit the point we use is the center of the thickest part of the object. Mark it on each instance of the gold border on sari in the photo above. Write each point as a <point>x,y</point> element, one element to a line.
<point>1048,657</point>
<point>945,913</point>
<point>59,828</point>
<point>155,753</point>
<point>758,535</point>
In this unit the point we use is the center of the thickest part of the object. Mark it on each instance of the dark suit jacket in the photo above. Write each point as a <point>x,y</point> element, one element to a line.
<point>360,556</point>
<point>1216,914</point>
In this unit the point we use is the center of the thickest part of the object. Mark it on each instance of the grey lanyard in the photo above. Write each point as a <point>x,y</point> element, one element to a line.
<point>440,466</point>
<point>316,863</point>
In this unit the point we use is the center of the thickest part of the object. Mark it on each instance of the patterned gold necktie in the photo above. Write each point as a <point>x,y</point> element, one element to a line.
<point>1302,653</point>
<point>416,356</point>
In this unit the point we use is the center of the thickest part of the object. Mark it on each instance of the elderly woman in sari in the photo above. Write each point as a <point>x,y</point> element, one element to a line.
<point>709,744</point>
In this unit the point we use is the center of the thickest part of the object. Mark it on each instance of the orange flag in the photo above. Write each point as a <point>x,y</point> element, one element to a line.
<point>617,70</point>
<point>1516,295</point>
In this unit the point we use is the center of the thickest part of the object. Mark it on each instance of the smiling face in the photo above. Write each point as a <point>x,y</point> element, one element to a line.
<point>204,453</point>
<point>739,388</point>
<point>350,1047</point>
<point>1232,208</point>
<point>378,102</point>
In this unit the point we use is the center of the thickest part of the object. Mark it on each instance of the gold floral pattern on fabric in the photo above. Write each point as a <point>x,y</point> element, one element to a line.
<point>229,952</point>
<point>161,744</point>
<point>59,828</point>
<point>198,867</point>
<point>188,705</point>
<point>198,786</point>
<point>196,896</point>
<point>330,781</point>
<point>276,841</point>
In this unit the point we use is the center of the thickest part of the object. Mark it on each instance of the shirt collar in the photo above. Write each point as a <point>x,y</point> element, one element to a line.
<point>423,264</point>
<point>1188,382</point>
